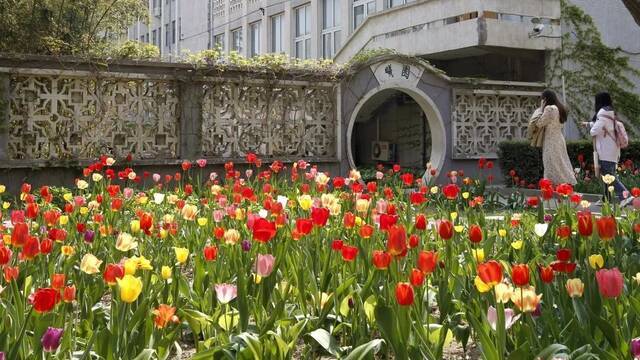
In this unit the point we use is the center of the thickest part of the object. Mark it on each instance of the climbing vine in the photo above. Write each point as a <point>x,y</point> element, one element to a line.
<point>590,66</point>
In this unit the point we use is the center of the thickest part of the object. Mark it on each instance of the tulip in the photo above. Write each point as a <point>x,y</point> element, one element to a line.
<point>416,277</point>
<point>635,348</point>
<point>596,261</point>
<point>88,236</point>
<point>526,299</point>
<point>397,240</point>
<point>540,229</point>
<point>575,287</point>
<point>520,274</point>
<point>445,229</point>
<point>51,339</point>
<point>20,234</point>
<point>610,282</point>
<point>189,212</point>
<point>69,293</point>
<point>450,191</point>
<point>210,252</point>
<point>112,273</point>
<point>503,292</point>
<point>427,261</point>
<point>5,255</point>
<point>263,230</point>
<point>304,226</point>
<point>490,272</point>
<point>478,254</point>
<point>421,222</point>
<point>319,216</point>
<point>57,281</point>
<point>475,233</point>
<point>163,315</point>
<point>606,227</point>
<point>349,220</point>
<point>10,273</point>
<point>90,264</point>
<point>546,274</point>
<point>231,236</point>
<point>380,259</point>
<point>481,285</point>
<point>45,299</point>
<point>404,294</point>
<point>126,242</point>
<point>349,252</point>
<point>226,292</point>
<point>182,254</point>
<point>265,264</point>
<point>130,288</point>
<point>509,318</point>
<point>365,231</point>
<point>165,272</point>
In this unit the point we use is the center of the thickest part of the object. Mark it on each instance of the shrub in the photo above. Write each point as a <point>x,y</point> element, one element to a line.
<point>527,160</point>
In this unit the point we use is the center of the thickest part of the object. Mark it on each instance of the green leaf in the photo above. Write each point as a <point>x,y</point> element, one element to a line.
<point>608,330</point>
<point>229,320</point>
<point>434,334</point>
<point>253,343</point>
<point>489,351</point>
<point>520,353</point>
<point>386,323</point>
<point>324,339</point>
<point>581,313</point>
<point>145,354</point>
<point>370,307</point>
<point>363,351</point>
<point>551,350</point>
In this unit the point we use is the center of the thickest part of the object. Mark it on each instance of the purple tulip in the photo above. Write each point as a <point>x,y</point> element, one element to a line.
<point>548,218</point>
<point>88,236</point>
<point>537,312</point>
<point>246,245</point>
<point>51,339</point>
<point>1,355</point>
<point>635,348</point>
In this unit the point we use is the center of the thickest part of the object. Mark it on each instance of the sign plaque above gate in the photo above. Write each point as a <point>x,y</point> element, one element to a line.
<point>397,72</point>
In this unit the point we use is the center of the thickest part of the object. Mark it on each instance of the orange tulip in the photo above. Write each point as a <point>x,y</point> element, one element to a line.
<point>606,227</point>
<point>163,315</point>
<point>490,272</point>
<point>404,294</point>
<point>397,240</point>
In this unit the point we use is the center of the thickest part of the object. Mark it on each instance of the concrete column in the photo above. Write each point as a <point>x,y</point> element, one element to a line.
<point>265,24</point>
<point>288,29</point>
<point>245,32</point>
<point>345,20</point>
<point>316,29</point>
<point>5,91</point>
<point>190,120</point>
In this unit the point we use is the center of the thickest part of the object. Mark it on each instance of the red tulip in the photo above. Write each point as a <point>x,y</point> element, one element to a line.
<point>336,245</point>
<point>610,282</point>
<point>606,227</point>
<point>46,246</point>
<point>319,216</point>
<point>20,234</point>
<point>263,230</point>
<point>366,231</point>
<point>112,272</point>
<point>475,233</point>
<point>416,277</point>
<point>31,248</point>
<point>520,274</point>
<point>44,299</point>
<point>57,281</point>
<point>5,255</point>
<point>69,293</point>
<point>386,221</point>
<point>445,229</point>
<point>427,261</point>
<point>146,222</point>
<point>532,201</point>
<point>414,241</point>
<point>585,223</point>
<point>51,217</point>
<point>11,273</point>
<point>564,189</point>
<point>380,259</point>
<point>397,240</point>
<point>563,254</point>
<point>396,168</point>
<point>451,191</point>
<point>349,220</point>
<point>421,222</point>
<point>32,210</point>
<point>304,226</point>
<point>490,272</point>
<point>563,232</point>
<point>349,252</point>
<point>404,294</point>
<point>407,179</point>
<point>372,186</point>
<point>546,274</point>
<point>210,252</point>
<point>417,198</point>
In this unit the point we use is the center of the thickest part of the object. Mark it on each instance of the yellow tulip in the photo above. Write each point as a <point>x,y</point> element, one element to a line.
<point>239,214</point>
<point>478,254</point>
<point>2,189</point>
<point>6,205</point>
<point>63,220</point>
<point>202,221</point>
<point>359,221</point>
<point>6,238</point>
<point>143,263</point>
<point>517,244</point>
<point>126,242</point>
<point>84,210</point>
<point>168,218</point>
<point>526,299</point>
<point>166,272</point>
<point>130,288</point>
<point>231,236</point>
<point>454,216</point>
<point>434,190</point>
<point>216,189</point>
<point>67,196</point>
<point>163,233</point>
<point>67,250</point>
<point>90,264</point>
<point>596,261</point>
<point>502,232</point>
<point>143,200</point>
<point>362,205</point>
<point>81,184</point>
<point>189,212</point>
<point>134,225</point>
<point>181,254</point>
<point>575,287</point>
<point>130,266</point>
<point>481,285</point>
<point>458,228</point>
<point>465,195</point>
<point>637,278</point>
<point>96,177</point>
<point>305,202</point>
<point>503,292</point>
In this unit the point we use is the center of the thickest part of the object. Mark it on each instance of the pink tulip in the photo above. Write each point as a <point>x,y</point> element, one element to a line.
<point>128,192</point>
<point>381,206</point>
<point>218,215</point>
<point>264,264</point>
<point>610,282</point>
<point>222,201</point>
<point>79,201</point>
<point>201,162</point>
<point>156,177</point>
<point>226,292</point>
<point>509,318</point>
<point>213,176</point>
<point>248,173</point>
<point>251,219</point>
<point>379,175</point>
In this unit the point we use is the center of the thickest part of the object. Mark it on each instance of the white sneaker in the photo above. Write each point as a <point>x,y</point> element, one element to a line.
<point>626,201</point>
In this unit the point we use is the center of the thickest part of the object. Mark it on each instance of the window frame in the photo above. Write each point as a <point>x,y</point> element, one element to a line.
<point>302,38</point>
<point>329,31</point>
<point>276,45</point>
<point>239,46</point>
<point>254,38</point>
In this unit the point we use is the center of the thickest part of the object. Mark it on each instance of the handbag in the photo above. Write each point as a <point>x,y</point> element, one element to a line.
<point>596,159</point>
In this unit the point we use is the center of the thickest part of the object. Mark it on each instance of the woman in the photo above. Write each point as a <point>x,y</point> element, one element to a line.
<point>603,130</point>
<point>551,117</point>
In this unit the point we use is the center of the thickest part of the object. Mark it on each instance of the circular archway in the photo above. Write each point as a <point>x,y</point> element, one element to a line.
<point>400,120</point>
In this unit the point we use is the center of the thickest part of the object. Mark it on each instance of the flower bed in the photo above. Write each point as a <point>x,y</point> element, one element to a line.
<point>282,262</point>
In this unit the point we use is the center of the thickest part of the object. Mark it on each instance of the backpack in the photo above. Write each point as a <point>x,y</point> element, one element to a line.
<point>621,137</point>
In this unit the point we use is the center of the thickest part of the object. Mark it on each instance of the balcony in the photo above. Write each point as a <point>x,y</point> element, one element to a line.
<point>446,29</point>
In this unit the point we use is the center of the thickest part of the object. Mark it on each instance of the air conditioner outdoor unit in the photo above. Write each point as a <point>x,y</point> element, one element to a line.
<point>382,151</point>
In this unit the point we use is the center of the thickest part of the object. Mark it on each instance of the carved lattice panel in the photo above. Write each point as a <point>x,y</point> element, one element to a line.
<point>285,122</point>
<point>59,118</point>
<point>481,121</point>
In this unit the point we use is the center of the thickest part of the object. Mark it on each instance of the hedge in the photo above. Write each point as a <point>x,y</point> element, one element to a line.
<point>527,160</point>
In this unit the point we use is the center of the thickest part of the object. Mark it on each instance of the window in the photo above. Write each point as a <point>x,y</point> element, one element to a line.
<point>254,38</point>
<point>276,34</point>
<point>154,37</point>
<point>394,3</point>
<point>330,28</point>
<point>173,32</point>
<point>362,9</point>
<point>218,41</point>
<point>141,38</point>
<point>147,38</point>
<point>166,34</point>
<point>303,32</point>
<point>236,40</point>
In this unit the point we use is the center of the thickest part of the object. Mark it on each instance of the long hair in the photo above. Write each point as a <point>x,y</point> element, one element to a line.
<point>602,100</point>
<point>550,98</point>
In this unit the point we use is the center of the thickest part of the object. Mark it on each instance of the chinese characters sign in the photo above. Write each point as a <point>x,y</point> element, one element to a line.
<point>405,74</point>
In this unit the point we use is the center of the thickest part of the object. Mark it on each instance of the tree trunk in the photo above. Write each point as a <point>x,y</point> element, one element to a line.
<point>634,9</point>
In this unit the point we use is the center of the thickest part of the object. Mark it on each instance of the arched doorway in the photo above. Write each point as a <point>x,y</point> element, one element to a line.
<point>396,124</point>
